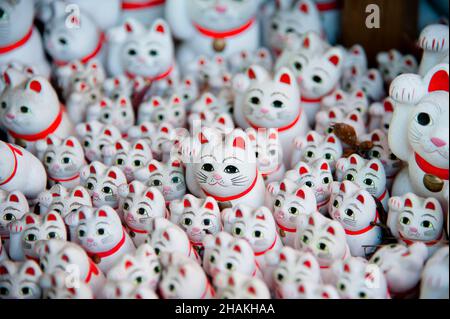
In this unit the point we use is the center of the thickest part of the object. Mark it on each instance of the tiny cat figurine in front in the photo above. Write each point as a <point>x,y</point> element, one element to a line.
<point>238,286</point>
<point>102,183</point>
<point>291,267</point>
<point>17,168</point>
<point>198,217</point>
<point>62,159</point>
<point>139,205</point>
<point>100,232</point>
<point>162,111</point>
<point>356,210</point>
<point>434,283</point>
<point>402,266</point>
<point>20,41</point>
<point>63,200</point>
<point>227,254</point>
<point>69,36</point>
<point>210,28</point>
<point>118,112</point>
<point>419,132</point>
<point>141,268</point>
<point>434,41</point>
<point>256,225</point>
<point>56,254</point>
<point>30,110</point>
<point>145,11</point>
<point>167,177</point>
<point>31,228</point>
<point>414,219</point>
<point>128,157</point>
<point>358,279</point>
<point>20,280</point>
<point>183,278</point>
<point>268,152</point>
<point>56,287</point>
<point>392,63</point>
<point>273,103</point>
<point>367,174</point>
<point>13,205</point>
<point>325,239</point>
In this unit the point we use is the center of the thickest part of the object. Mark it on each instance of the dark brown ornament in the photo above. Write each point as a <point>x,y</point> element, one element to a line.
<point>433,183</point>
<point>219,45</point>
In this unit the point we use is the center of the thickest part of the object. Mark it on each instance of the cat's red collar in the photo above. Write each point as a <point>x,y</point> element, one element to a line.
<point>382,196</point>
<point>63,180</point>
<point>88,57</point>
<point>10,47</point>
<point>111,251</point>
<point>137,231</point>
<point>365,229</point>
<point>192,249</point>
<point>428,168</point>
<point>43,134</point>
<point>152,78</point>
<point>15,151</point>
<point>224,34</point>
<point>283,128</point>
<point>428,243</point>
<point>93,270</point>
<point>265,175</point>
<point>233,197</point>
<point>260,253</point>
<point>327,6</point>
<point>317,99</point>
<point>289,230</point>
<point>322,204</point>
<point>208,288</point>
<point>128,5</point>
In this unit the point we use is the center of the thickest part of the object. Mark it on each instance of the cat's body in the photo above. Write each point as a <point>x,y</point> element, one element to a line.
<point>145,11</point>
<point>434,283</point>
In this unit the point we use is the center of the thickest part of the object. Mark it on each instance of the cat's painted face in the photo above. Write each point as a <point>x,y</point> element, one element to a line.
<point>12,207</point>
<point>241,61</point>
<point>64,201</point>
<point>140,204</point>
<point>325,119</point>
<point>224,253</point>
<point>118,113</point>
<point>188,90</point>
<point>271,103</point>
<point>238,286</point>
<point>213,73</point>
<point>20,280</point>
<point>370,82</point>
<point>348,102</point>
<point>268,151</point>
<point>428,132</point>
<point>80,77</point>
<point>209,102</point>
<point>222,15</point>
<point>147,53</point>
<point>98,229</point>
<point>124,289</point>
<point>16,18</point>
<point>58,288</point>
<point>161,111</point>
<point>118,85</point>
<point>102,183</point>
<point>382,152</point>
<point>223,122</point>
<point>312,290</point>
<point>316,146</point>
<point>391,64</point>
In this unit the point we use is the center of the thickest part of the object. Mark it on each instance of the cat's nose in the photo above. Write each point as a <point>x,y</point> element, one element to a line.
<point>264,110</point>
<point>337,214</point>
<point>279,214</point>
<point>217,177</point>
<point>166,188</point>
<point>438,142</point>
<point>196,230</point>
<point>413,229</point>
<point>10,116</point>
<point>221,9</point>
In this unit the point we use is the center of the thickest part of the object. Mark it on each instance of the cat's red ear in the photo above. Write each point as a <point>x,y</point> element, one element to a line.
<point>81,216</point>
<point>69,143</point>
<point>300,193</point>
<point>310,138</point>
<point>311,221</point>
<point>346,268</point>
<point>285,78</point>
<point>183,272</point>
<point>360,199</point>
<point>152,168</point>
<point>209,205</point>
<point>304,7</point>
<point>330,230</point>
<point>251,290</point>
<point>112,175</point>
<point>353,160</point>
<point>408,203</point>
<point>303,170</point>
<point>128,27</point>
<point>439,81</point>
<point>307,264</point>
<point>239,142</point>
<point>13,198</point>
<point>388,107</point>
<point>3,271</point>
<point>354,117</point>
<point>251,74</point>
<point>139,147</point>
<point>306,43</point>
<point>78,193</point>
<point>35,86</point>
<point>324,167</point>
<point>102,213</point>
<point>187,203</point>
<point>283,187</point>
<point>29,220</point>
<point>331,140</point>
<point>334,59</point>
<point>342,187</point>
<point>160,28</point>
<point>238,213</point>
<point>237,248</point>
<point>128,264</point>
<point>375,167</point>
<point>51,217</point>
<point>430,205</point>
<point>231,281</point>
<point>150,195</point>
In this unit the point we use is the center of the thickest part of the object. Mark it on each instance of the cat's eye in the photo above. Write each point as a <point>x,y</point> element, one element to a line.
<point>375,154</point>
<point>9,217</point>
<point>317,79</point>
<point>359,109</point>
<point>423,119</point>
<point>65,160</point>
<point>176,180</point>
<point>290,30</point>
<point>160,117</point>
<point>256,154</point>
<point>207,222</point>
<point>4,291</point>
<point>310,154</point>
<point>231,169</point>
<point>156,182</point>
<point>362,295</point>
<point>187,221</point>
<point>106,116</point>
<point>277,203</point>
<point>90,186</point>
<point>309,184</point>
<point>255,100</point>
<point>349,212</point>
<point>31,237</point>
<point>153,53</point>
<point>305,239</point>
<point>107,190</point>
<point>120,162</point>
<point>376,259</point>
<point>405,221</point>
<point>298,66</point>
<point>62,41</point>
<point>341,287</point>
<point>280,277</point>
<point>132,52</point>
<point>277,104</point>
<point>126,206</point>
<point>329,130</point>
<point>24,109</point>
<point>177,113</point>
<point>101,231</point>
<point>322,247</point>
<point>4,105</point>
<point>212,259</point>
<point>369,182</point>
<point>52,235</point>
<point>207,167</point>
<point>328,156</point>
<point>157,269</point>
<point>171,287</point>
<point>349,177</point>
<point>386,126</point>
<point>427,224</point>
<point>137,163</point>
<point>124,113</point>
<point>139,280</point>
<point>81,233</point>
<point>229,266</point>
<point>272,152</point>
<point>237,231</point>
<point>157,251</point>
<point>186,97</point>
<point>142,211</point>
<point>293,211</point>
<point>393,157</point>
<point>101,146</point>
<point>257,234</point>
<point>274,26</point>
<point>86,143</point>
<point>93,97</point>
<point>336,203</point>
<point>48,159</point>
<point>25,291</point>
<point>326,180</point>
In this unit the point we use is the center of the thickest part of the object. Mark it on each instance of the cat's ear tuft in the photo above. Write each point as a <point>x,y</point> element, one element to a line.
<point>239,142</point>
<point>360,198</point>
<point>35,86</point>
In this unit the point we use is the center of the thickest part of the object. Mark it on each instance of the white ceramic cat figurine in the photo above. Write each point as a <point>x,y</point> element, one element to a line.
<point>434,41</point>
<point>414,219</point>
<point>241,61</point>
<point>13,205</point>
<point>268,152</point>
<point>124,289</point>
<point>311,290</point>
<point>30,111</point>
<point>119,113</point>
<point>402,266</point>
<point>223,122</point>
<point>356,210</point>
<point>188,90</point>
<point>100,232</point>
<point>367,174</point>
<point>370,82</point>
<point>392,63</point>
<point>355,59</point>
<point>418,132</point>
<point>434,283</point>
<point>347,102</point>
<point>381,115</point>
<point>162,111</point>
<point>146,11</point>
<point>227,254</point>
<point>20,280</point>
<point>62,159</point>
<point>325,239</point>
<point>183,278</point>
<point>82,96</point>
<point>198,217</point>
<point>238,286</point>
<point>102,183</point>
<point>31,228</point>
<point>209,28</point>
<point>212,73</point>
<point>57,288</point>
<point>257,226</point>
<point>21,41</point>
<point>13,175</point>
<point>56,254</point>
<point>139,205</point>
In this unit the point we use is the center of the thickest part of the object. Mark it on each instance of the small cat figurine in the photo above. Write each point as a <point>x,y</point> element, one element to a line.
<point>402,266</point>
<point>13,205</point>
<point>256,225</point>
<point>209,102</point>
<point>198,217</point>
<point>434,283</point>
<point>57,287</point>
<point>357,279</point>
<point>434,41</point>
<point>161,111</point>
<point>346,102</point>
<point>314,146</point>
<point>101,234</point>
<point>227,254</point>
<point>141,268</point>
<point>163,140</point>
<point>62,159</point>
<point>145,11</point>
<point>128,157</point>
<point>414,219</point>
<point>356,210</point>
<point>381,115</point>
<point>367,174</point>
<point>31,228</point>
<point>94,136</point>
<point>213,73</point>
<point>124,289</point>
<point>56,254</point>
<point>392,63</point>
<point>20,280</point>
<point>81,97</point>
<point>14,176</point>
<point>370,82</point>
<point>355,59</point>
<point>167,177</point>
<point>291,268</point>
<point>139,205</point>
<point>241,61</point>
<point>30,111</point>
<point>238,286</point>
<point>312,290</point>
<point>115,86</point>
<point>183,278</point>
<point>102,183</point>
<point>223,122</point>
<point>119,113</point>
<point>268,152</point>
<point>188,90</point>
<point>325,239</point>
